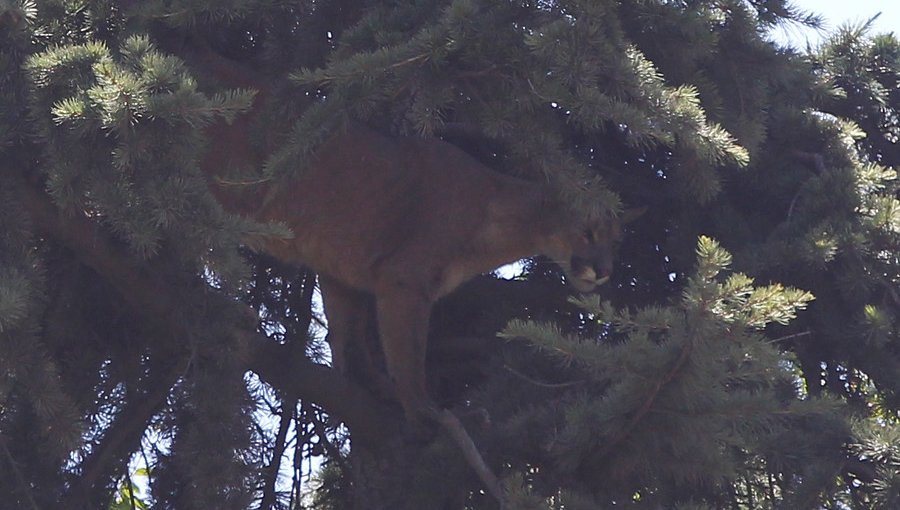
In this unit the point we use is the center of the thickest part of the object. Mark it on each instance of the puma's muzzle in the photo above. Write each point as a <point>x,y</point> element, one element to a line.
<point>586,279</point>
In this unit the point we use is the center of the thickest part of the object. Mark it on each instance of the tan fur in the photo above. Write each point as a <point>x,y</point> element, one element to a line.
<point>407,220</point>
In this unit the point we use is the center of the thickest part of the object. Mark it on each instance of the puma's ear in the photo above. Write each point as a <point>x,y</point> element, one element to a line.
<point>631,214</point>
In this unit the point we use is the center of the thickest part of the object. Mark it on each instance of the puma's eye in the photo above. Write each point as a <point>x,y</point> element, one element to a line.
<point>588,235</point>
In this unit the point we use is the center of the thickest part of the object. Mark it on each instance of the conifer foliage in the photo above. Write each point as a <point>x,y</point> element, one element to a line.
<point>743,355</point>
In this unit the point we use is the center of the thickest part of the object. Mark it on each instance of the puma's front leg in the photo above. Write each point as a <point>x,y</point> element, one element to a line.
<point>403,329</point>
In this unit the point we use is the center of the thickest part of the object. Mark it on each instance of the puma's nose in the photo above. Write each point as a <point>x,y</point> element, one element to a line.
<point>602,270</point>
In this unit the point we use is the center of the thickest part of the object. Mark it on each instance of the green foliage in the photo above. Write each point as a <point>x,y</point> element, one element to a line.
<point>569,67</point>
<point>878,440</point>
<point>123,136</point>
<point>29,376</point>
<point>685,398</point>
<point>689,385</point>
<point>329,489</point>
<point>30,385</point>
<point>128,496</point>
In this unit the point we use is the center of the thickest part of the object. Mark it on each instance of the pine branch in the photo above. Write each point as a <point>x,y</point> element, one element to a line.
<point>147,294</point>
<point>626,431</point>
<point>459,434</point>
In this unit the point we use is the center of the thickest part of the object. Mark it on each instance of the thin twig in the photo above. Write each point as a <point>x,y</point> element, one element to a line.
<point>818,163</point>
<point>271,474</point>
<point>788,337</point>
<point>147,467</point>
<point>477,74</point>
<point>20,479</point>
<point>409,60</point>
<point>252,182</point>
<point>539,383</point>
<point>817,160</point>
<point>793,203</point>
<point>335,452</point>
<point>298,458</point>
<point>892,292</point>
<point>327,79</point>
<point>130,487</point>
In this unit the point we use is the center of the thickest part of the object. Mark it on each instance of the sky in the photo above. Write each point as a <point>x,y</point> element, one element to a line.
<point>837,13</point>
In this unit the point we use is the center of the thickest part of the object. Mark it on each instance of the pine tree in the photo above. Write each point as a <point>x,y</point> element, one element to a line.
<point>864,70</point>
<point>744,354</point>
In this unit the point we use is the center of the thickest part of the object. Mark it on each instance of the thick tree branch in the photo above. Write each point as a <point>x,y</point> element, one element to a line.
<point>156,298</point>
<point>297,376</point>
<point>815,159</point>
<point>146,294</point>
<point>124,434</point>
<point>270,474</point>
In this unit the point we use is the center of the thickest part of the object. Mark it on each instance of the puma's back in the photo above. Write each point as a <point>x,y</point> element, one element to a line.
<point>370,208</point>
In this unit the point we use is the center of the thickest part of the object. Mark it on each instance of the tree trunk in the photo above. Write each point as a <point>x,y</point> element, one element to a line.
<point>399,475</point>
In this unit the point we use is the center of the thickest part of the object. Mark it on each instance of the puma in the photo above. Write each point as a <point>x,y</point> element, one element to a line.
<point>407,220</point>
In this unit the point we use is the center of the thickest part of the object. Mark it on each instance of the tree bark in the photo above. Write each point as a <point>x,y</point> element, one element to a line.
<point>390,476</point>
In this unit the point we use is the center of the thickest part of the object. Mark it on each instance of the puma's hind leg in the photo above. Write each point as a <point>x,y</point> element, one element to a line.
<point>345,310</point>
<point>403,331</point>
<point>348,311</point>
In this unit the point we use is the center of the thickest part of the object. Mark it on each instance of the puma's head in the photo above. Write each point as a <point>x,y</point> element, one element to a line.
<point>586,254</point>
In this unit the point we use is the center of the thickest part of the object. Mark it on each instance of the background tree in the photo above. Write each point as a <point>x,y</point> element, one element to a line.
<point>744,354</point>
